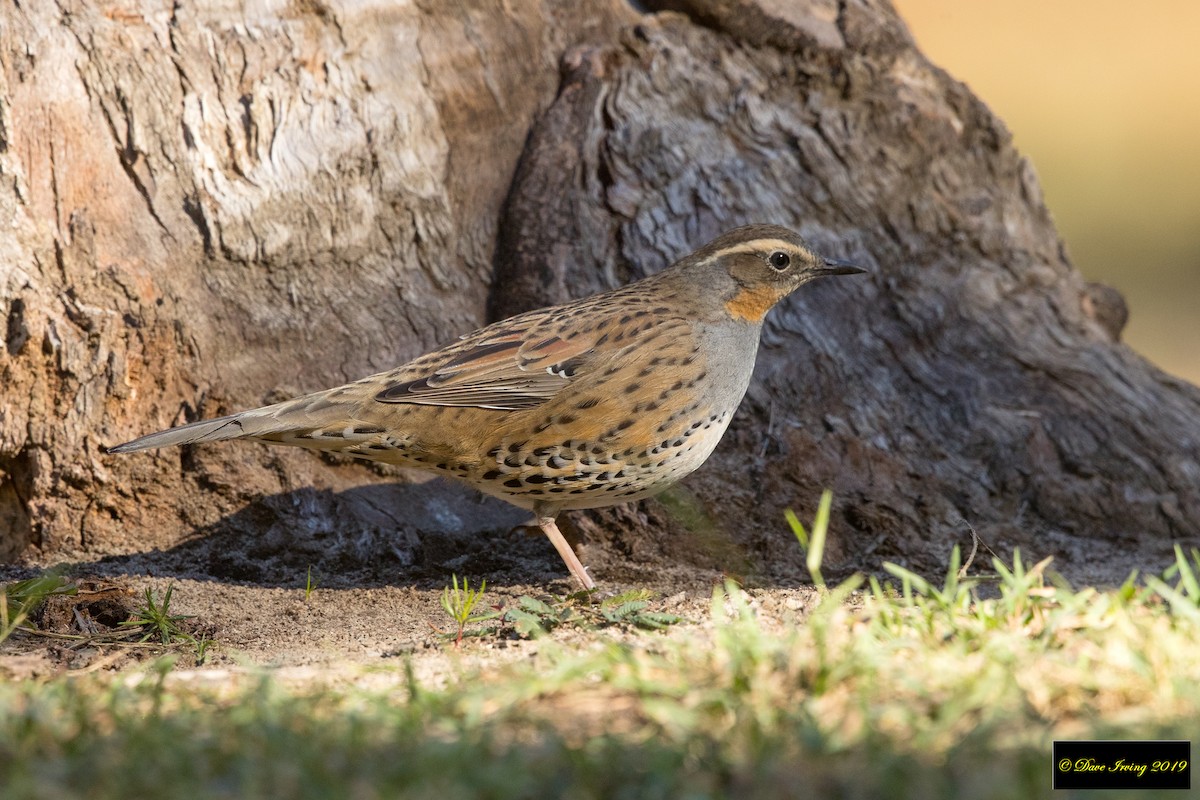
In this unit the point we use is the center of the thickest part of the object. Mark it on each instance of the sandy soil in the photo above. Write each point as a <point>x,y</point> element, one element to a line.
<point>380,571</point>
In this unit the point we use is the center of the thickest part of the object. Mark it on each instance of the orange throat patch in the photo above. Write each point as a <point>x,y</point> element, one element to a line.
<point>752,304</point>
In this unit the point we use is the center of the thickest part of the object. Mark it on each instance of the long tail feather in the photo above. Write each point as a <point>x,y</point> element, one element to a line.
<point>314,421</point>
<point>247,424</point>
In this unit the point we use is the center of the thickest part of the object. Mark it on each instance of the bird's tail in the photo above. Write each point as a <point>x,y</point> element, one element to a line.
<point>316,421</point>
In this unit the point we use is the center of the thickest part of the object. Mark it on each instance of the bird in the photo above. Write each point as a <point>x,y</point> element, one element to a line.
<point>599,401</point>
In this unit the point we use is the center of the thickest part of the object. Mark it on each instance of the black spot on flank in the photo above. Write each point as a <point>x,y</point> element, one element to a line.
<point>545,451</point>
<point>633,387</point>
<point>597,450</point>
<point>514,483</point>
<point>677,386</point>
<point>364,429</point>
<point>557,489</point>
<point>515,447</point>
<point>491,474</point>
<point>538,479</point>
<point>601,340</point>
<point>625,423</point>
<point>589,403</point>
<point>625,319</point>
<point>512,461</point>
<point>494,452</point>
<point>677,443</point>
<point>662,310</point>
<point>566,419</point>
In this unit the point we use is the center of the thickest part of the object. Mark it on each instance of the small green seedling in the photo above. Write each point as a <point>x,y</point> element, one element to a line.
<point>533,618</point>
<point>202,644</point>
<point>158,621</point>
<point>310,585</point>
<point>813,544</point>
<point>459,604</point>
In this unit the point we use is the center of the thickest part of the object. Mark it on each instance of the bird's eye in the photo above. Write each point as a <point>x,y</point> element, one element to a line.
<point>780,260</point>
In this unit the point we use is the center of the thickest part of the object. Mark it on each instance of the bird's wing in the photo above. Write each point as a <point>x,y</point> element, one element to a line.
<point>516,364</point>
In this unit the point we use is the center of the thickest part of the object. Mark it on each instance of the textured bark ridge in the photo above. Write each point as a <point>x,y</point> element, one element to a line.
<point>206,206</point>
<point>975,380</point>
<point>205,210</point>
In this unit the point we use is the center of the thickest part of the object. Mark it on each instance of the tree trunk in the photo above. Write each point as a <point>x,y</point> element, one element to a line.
<point>204,211</point>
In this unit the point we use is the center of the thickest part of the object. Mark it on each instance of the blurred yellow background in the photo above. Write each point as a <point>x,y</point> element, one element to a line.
<point>1103,96</point>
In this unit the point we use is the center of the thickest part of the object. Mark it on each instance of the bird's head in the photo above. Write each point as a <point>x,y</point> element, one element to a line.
<point>756,266</point>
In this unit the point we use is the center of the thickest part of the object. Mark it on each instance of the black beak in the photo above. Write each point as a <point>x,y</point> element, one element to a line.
<point>834,266</point>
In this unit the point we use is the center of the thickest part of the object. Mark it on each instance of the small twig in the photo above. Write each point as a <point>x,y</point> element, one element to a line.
<point>80,640</point>
<point>976,541</point>
<point>99,663</point>
<point>962,572</point>
<point>86,624</point>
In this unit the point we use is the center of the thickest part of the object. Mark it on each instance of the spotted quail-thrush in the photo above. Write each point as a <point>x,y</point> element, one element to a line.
<point>591,403</point>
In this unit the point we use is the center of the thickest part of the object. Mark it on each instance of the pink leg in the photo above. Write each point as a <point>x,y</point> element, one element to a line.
<point>572,561</point>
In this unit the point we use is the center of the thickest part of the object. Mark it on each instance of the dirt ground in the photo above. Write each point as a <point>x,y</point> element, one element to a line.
<point>380,570</point>
<point>378,585</point>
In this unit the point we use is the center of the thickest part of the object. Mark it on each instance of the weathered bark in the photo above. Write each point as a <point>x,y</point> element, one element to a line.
<point>204,205</point>
<point>200,213</point>
<point>975,381</point>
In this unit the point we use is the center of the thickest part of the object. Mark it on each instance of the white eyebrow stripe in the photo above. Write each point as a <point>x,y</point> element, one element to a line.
<point>758,245</point>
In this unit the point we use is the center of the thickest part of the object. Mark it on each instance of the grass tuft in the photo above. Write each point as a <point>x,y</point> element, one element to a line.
<point>900,687</point>
<point>19,599</point>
